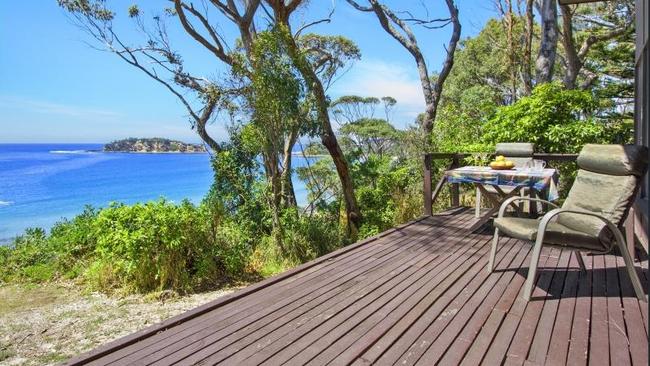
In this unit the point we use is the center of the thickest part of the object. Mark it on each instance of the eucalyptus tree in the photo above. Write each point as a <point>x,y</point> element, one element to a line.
<point>361,129</point>
<point>307,66</point>
<point>518,23</point>
<point>398,27</point>
<point>274,102</point>
<point>584,28</point>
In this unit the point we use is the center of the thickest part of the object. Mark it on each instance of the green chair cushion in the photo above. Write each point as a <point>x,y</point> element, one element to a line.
<point>614,159</point>
<point>606,195</point>
<point>556,234</point>
<point>515,149</point>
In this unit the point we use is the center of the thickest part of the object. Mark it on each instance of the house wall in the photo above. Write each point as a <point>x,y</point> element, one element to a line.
<point>642,105</point>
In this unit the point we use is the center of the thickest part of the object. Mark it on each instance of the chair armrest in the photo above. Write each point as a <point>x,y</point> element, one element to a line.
<point>510,200</point>
<point>541,229</point>
<point>620,241</point>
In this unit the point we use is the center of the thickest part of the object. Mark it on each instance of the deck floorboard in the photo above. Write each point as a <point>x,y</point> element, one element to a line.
<point>417,294</point>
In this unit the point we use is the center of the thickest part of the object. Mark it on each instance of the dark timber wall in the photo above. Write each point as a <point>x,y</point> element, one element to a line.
<point>642,94</point>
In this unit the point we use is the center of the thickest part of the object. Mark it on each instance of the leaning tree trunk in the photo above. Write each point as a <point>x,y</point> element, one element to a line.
<point>548,45</point>
<point>399,29</point>
<point>328,138</point>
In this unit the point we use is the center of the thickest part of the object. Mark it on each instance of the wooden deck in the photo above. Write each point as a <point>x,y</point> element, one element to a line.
<point>417,294</point>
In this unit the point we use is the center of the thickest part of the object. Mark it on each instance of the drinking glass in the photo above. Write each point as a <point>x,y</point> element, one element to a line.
<point>538,165</point>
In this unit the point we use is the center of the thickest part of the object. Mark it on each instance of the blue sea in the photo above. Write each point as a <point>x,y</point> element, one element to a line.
<point>42,183</point>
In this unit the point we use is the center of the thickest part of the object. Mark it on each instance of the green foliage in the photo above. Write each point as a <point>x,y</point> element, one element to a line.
<point>306,237</point>
<point>277,89</point>
<point>154,246</point>
<point>94,9</point>
<point>388,191</point>
<point>139,248</point>
<point>554,119</point>
<point>133,11</point>
<point>160,245</point>
<point>609,65</point>
<point>236,173</point>
<point>26,257</point>
<point>476,87</point>
<point>370,136</point>
<point>330,53</point>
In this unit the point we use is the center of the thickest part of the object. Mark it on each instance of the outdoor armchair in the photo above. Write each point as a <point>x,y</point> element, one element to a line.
<point>591,217</point>
<point>519,153</point>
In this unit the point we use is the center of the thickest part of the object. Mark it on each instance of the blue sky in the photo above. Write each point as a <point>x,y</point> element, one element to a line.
<point>55,88</point>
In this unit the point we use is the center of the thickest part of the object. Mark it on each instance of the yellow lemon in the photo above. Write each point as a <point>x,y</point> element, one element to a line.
<point>500,158</point>
<point>497,164</point>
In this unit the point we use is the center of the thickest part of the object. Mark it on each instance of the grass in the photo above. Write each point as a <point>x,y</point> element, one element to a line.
<point>26,297</point>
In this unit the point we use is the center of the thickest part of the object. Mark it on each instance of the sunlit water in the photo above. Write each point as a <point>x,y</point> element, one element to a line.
<point>42,183</point>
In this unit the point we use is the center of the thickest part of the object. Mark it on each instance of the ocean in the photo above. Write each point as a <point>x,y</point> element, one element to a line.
<point>42,183</point>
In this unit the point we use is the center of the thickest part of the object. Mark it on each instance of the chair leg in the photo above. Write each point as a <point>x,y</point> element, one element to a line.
<point>581,262</point>
<point>493,250</point>
<point>532,269</point>
<point>629,265</point>
<point>477,210</point>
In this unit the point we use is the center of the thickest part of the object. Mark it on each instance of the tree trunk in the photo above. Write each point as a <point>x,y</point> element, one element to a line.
<point>200,129</point>
<point>526,65</point>
<point>509,19</point>
<point>288,193</point>
<point>432,90</point>
<point>273,176</point>
<point>573,63</point>
<point>431,109</point>
<point>548,45</point>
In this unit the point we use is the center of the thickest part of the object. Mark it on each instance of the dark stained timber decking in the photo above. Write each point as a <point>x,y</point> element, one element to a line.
<point>417,294</point>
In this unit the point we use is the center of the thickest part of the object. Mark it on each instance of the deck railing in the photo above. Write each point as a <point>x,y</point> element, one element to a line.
<point>430,195</point>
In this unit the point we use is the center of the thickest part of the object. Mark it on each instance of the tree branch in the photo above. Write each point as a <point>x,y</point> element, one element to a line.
<point>217,49</point>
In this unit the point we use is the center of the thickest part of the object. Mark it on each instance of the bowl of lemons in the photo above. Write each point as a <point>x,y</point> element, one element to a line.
<point>500,163</point>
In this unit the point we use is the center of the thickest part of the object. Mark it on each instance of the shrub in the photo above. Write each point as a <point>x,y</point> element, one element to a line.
<point>26,257</point>
<point>305,237</point>
<point>135,248</point>
<point>155,246</point>
<point>555,119</point>
<point>389,193</point>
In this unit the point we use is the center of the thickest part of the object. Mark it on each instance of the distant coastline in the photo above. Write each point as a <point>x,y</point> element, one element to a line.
<point>150,152</point>
<point>154,145</point>
<point>309,155</point>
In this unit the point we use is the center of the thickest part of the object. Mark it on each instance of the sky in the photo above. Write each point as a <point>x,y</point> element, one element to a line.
<point>55,87</point>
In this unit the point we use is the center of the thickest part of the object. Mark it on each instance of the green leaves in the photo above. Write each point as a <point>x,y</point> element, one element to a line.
<point>94,9</point>
<point>555,119</point>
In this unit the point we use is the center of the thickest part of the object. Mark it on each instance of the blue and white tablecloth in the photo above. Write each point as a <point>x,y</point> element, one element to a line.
<point>540,180</point>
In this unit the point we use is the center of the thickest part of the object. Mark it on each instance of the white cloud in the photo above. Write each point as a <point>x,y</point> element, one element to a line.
<point>378,78</point>
<point>50,108</point>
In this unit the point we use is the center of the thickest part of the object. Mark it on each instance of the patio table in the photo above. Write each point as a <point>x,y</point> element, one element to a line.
<point>541,183</point>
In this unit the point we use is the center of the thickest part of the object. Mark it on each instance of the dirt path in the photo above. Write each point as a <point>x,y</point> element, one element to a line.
<point>49,324</point>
